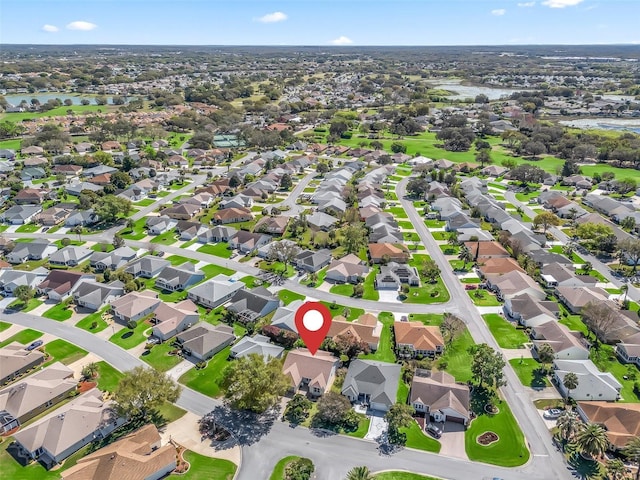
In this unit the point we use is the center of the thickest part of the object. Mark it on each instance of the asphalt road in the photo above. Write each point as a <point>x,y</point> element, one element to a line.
<point>600,267</point>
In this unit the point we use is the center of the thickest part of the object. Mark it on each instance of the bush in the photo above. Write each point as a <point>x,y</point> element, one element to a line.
<point>300,469</point>
<point>94,325</point>
<point>148,346</point>
<point>132,324</point>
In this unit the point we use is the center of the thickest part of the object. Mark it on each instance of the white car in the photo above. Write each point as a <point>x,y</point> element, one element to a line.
<point>552,413</point>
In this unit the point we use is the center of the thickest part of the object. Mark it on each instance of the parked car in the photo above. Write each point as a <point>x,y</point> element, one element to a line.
<point>470,286</point>
<point>552,413</point>
<point>434,431</point>
<point>34,345</point>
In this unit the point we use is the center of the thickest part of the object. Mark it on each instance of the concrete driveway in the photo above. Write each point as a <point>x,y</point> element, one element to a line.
<point>377,427</point>
<point>452,440</point>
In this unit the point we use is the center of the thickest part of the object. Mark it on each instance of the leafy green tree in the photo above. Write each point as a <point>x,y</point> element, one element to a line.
<point>359,473</point>
<point>142,390</point>
<point>545,354</point>
<point>89,371</point>
<point>430,270</point>
<point>322,168</point>
<point>110,207</point>
<point>451,327</point>
<point>251,383</point>
<point>592,440</point>
<point>616,470</point>
<point>483,156</point>
<point>465,255</point>
<point>285,182</point>
<point>298,408</point>
<point>400,415</point>
<point>487,366</point>
<point>333,408</point>
<point>632,451</point>
<point>120,180</point>
<point>24,293</point>
<point>417,187</point>
<point>118,241</point>
<point>398,147</point>
<point>354,237</point>
<point>546,220</point>
<point>629,249</point>
<point>299,469</point>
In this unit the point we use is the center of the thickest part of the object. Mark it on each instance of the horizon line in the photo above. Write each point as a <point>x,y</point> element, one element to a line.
<point>636,44</point>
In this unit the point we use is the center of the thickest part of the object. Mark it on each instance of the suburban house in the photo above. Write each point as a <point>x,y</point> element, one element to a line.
<point>372,383</point>
<point>272,225</point>
<point>147,267</point>
<point>77,188</point>
<point>530,311</point>
<point>59,284</point>
<point>38,249</point>
<point>284,317</point>
<point>85,419</point>
<point>348,269</point>
<point>312,261</point>
<point>513,284</point>
<point>312,374</point>
<point>52,216</point>
<point>564,343</point>
<point>440,397</point>
<point>31,396</point>
<point>218,234</point>
<point>170,319</point>
<point>112,260</point>
<point>20,214</point>
<point>366,328</point>
<point>15,360</point>
<point>239,201</point>
<point>160,225</point>
<point>620,420</point>
<point>321,221</point>
<point>94,295</point>
<point>258,345</point>
<point>70,256</point>
<point>140,453</point>
<point>629,351</point>
<point>134,305</point>
<point>414,339</point>
<point>394,274</point>
<point>496,266</point>
<point>11,279</point>
<point>82,218</point>
<point>179,277</point>
<point>30,196</point>
<point>560,275</point>
<point>183,211</point>
<point>592,383</point>
<point>232,215</point>
<point>251,305</point>
<point>215,292</point>
<point>202,341</point>
<point>574,298</point>
<point>388,252</point>
<point>247,242</point>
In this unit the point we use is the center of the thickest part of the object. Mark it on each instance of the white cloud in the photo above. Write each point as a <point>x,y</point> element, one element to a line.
<point>50,28</point>
<point>273,17</point>
<point>498,12</point>
<point>561,3</point>
<point>81,25</point>
<point>342,40</point>
<point>527,4</point>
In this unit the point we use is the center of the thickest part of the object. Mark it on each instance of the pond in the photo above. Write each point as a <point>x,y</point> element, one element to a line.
<point>471,91</point>
<point>626,124</point>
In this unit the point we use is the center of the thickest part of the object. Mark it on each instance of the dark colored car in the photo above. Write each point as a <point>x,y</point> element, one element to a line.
<point>434,431</point>
<point>34,345</point>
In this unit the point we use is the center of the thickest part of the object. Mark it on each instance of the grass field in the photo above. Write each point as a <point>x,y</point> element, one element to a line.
<point>509,451</point>
<point>370,292</point>
<point>606,360</point>
<point>397,475</point>
<point>4,326</point>
<point>482,298</point>
<point>62,351</point>
<point>528,371</point>
<point>56,112</point>
<point>344,289</point>
<point>278,470</point>
<point>24,337</point>
<point>87,322</point>
<point>158,357</point>
<point>385,346</point>
<point>207,468</point>
<point>127,338</point>
<point>108,377</point>
<point>60,312</point>
<point>504,331</point>
<point>287,296</point>
<point>337,309</point>
<point>218,249</point>
<point>205,380</point>
<point>457,359</point>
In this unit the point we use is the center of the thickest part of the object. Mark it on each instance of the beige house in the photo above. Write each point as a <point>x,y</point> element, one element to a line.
<point>564,343</point>
<point>15,360</point>
<point>135,305</point>
<point>415,339</point>
<point>366,329</point>
<point>436,394</point>
<point>310,373</point>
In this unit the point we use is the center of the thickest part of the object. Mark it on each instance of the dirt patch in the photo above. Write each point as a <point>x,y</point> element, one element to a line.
<point>86,386</point>
<point>487,438</point>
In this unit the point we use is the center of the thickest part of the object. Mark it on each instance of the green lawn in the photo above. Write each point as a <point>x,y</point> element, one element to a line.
<point>505,333</point>
<point>207,468</point>
<point>127,338</point>
<point>509,451</point>
<point>370,292</point>
<point>205,380</point>
<point>251,282</point>
<point>287,296</point>
<point>4,326</point>
<point>28,228</point>
<point>482,298</point>
<point>30,305</point>
<point>337,309</point>
<point>158,357</point>
<point>179,260</point>
<point>427,318</point>
<point>402,476</point>
<point>456,360</point>
<point>344,289</point>
<point>363,428</point>
<point>606,360</point>
<point>435,223</point>
<point>24,337</point>
<point>398,212</point>
<point>62,351</point>
<point>213,270</point>
<point>166,238</point>
<point>406,225</point>
<point>145,203</point>
<point>102,247</point>
<point>137,232</point>
<point>108,377</point>
<point>417,439</point>
<point>171,412</point>
<point>277,267</point>
<point>59,312</point>
<point>218,249</point>
<point>87,322</point>
<point>385,346</point>
<point>528,371</point>
<point>57,112</point>
<point>427,292</point>
<point>278,470</point>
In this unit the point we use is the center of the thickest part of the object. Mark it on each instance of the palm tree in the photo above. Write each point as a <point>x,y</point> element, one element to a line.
<point>453,239</point>
<point>568,425</point>
<point>465,255</point>
<point>624,288</point>
<point>570,382</point>
<point>632,450</point>
<point>587,267</point>
<point>359,473</point>
<point>615,469</point>
<point>592,440</point>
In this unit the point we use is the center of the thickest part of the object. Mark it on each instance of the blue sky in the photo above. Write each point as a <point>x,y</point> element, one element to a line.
<point>319,22</point>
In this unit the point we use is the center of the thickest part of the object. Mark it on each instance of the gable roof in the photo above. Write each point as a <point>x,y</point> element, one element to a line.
<point>621,420</point>
<point>258,345</point>
<point>133,303</point>
<point>378,379</point>
<point>14,357</point>
<point>422,337</point>
<point>202,338</point>
<point>61,281</point>
<point>216,288</point>
<point>558,336</point>
<point>300,363</point>
<point>439,390</point>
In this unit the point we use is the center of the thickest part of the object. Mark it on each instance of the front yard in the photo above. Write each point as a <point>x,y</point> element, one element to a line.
<point>417,439</point>
<point>127,338</point>
<point>287,296</point>
<point>59,312</point>
<point>482,298</point>
<point>207,468</point>
<point>456,359</point>
<point>218,249</point>
<point>385,351</point>
<point>88,322</point>
<point>505,333</point>
<point>205,380</point>
<point>159,358</point>
<point>23,337</point>
<point>62,351</point>
<point>529,372</point>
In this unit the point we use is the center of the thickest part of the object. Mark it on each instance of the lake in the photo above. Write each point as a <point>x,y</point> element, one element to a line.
<point>471,91</point>
<point>626,124</point>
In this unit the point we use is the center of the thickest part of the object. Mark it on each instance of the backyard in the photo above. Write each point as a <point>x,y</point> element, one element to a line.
<point>505,333</point>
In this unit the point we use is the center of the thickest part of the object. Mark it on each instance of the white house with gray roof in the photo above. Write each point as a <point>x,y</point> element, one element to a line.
<point>251,305</point>
<point>147,267</point>
<point>285,317</point>
<point>112,260</point>
<point>179,277</point>
<point>93,295</point>
<point>11,279</point>
<point>38,249</point>
<point>215,292</point>
<point>258,345</point>
<point>70,256</point>
<point>20,214</point>
<point>372,383</point>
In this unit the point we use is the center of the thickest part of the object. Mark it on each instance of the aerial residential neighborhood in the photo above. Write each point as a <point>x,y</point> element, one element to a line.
<point>468,219</point>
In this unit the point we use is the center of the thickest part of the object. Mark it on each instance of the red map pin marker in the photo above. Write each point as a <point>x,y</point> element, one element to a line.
<point>313,321</point>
